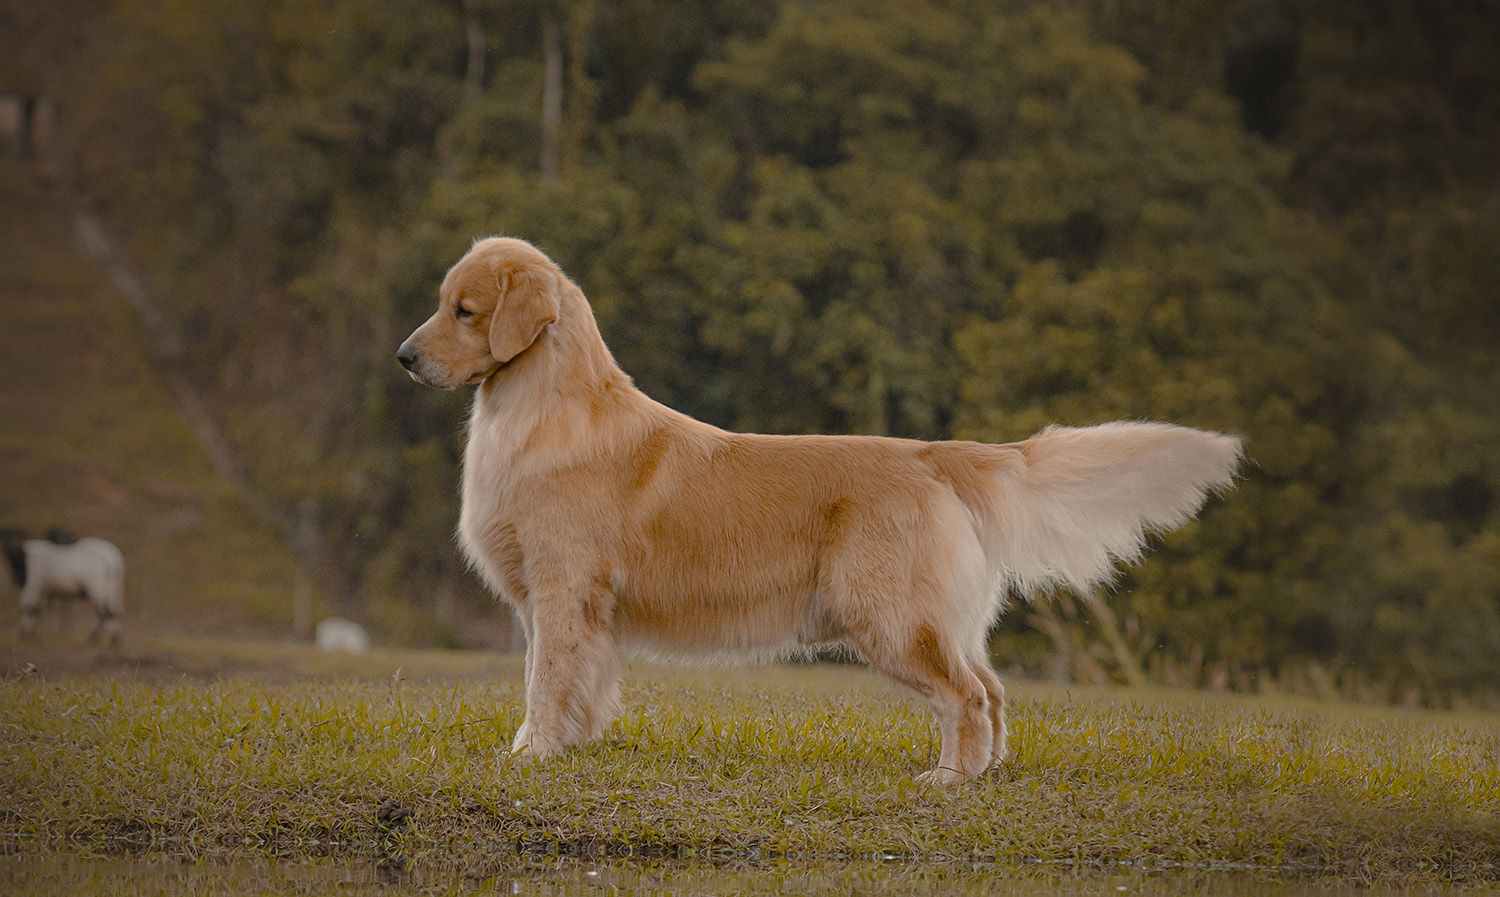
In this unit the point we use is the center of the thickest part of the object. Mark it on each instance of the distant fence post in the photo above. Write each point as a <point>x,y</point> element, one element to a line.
<point>301,588</point>
<point>13,124</point>
<point>28,128</point>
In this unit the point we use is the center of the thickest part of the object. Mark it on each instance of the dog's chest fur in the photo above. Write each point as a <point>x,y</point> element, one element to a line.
<point>486,528</point>
<point>517,447</point>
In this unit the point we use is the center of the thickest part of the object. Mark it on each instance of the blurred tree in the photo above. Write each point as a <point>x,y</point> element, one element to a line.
<point>1388,112</point>
<point>923,218</point>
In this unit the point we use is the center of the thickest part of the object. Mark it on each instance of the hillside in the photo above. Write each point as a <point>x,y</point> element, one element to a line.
<point>94,444</point>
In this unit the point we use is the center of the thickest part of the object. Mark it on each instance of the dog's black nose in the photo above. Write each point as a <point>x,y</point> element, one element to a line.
<point>407,356</point>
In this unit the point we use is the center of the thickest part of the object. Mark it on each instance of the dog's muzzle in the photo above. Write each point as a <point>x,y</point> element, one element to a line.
<point>426,373</point>
<point>411,359</point>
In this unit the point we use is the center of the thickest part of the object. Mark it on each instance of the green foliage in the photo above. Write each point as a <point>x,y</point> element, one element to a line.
<point>925,218</point>
<point>1388,116</point>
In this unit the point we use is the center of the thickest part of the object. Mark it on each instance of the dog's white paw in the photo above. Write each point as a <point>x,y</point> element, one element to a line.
<point>942,776</point>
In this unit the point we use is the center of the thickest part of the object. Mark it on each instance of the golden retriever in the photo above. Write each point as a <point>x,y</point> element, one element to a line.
<point>609,520</point>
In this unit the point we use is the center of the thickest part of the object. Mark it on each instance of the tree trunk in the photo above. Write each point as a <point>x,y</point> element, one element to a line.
<point>474,75</point>
<point>1110,625</point>
<point>552,88</point>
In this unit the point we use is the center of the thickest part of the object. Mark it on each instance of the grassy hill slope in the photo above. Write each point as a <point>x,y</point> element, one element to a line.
<point>92,442</point>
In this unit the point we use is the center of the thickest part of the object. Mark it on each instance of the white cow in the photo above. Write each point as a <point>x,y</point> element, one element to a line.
<point>89,567</point>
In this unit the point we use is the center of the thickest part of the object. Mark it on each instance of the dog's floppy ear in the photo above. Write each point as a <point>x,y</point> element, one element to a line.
<point>528,302</point>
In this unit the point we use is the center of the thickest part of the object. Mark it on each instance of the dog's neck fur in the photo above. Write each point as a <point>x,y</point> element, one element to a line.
<point>567,364</point>
<point>564,386</point>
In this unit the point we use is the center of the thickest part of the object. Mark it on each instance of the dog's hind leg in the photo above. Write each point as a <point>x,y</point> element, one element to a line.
<point>995,690</point>
<point>959,696</point>
<point>915,607</point>
<point>572,670</point>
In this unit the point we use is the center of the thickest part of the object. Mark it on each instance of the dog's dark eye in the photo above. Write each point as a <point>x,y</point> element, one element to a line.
<point>462,313</point>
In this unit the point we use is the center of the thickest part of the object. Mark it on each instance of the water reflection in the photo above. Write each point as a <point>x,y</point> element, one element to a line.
<point>67,876</point>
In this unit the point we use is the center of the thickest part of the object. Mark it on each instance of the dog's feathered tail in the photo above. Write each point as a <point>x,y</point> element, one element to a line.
<point>1073,503</point>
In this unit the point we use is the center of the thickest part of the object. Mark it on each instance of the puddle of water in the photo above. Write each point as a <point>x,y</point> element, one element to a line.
<point>77,876</point>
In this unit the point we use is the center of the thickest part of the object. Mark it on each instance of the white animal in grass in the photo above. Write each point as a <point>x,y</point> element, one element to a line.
<point>336,634</point>
<point>90,567</point>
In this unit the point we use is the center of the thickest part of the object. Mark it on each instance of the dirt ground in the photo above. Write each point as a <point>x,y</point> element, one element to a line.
<point>167,660</point>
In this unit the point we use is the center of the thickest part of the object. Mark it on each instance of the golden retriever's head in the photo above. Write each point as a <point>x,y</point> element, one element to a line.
<point>492,307</point>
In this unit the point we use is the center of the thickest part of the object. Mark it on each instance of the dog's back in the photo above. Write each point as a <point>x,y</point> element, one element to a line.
<point>737,542</point>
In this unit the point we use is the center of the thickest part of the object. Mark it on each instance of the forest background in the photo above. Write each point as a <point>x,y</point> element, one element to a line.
<point>922,218</point>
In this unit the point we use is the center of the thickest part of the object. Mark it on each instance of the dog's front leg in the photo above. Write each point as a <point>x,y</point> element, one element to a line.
<point>572,670</point>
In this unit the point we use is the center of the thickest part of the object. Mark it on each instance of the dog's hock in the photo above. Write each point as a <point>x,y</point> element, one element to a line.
<point>528,303</point>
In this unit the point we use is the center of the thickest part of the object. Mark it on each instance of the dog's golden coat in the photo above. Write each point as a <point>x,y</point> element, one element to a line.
<point>607,519</point>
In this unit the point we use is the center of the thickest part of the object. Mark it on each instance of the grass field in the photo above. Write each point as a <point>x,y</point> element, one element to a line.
<point>402,753</point>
